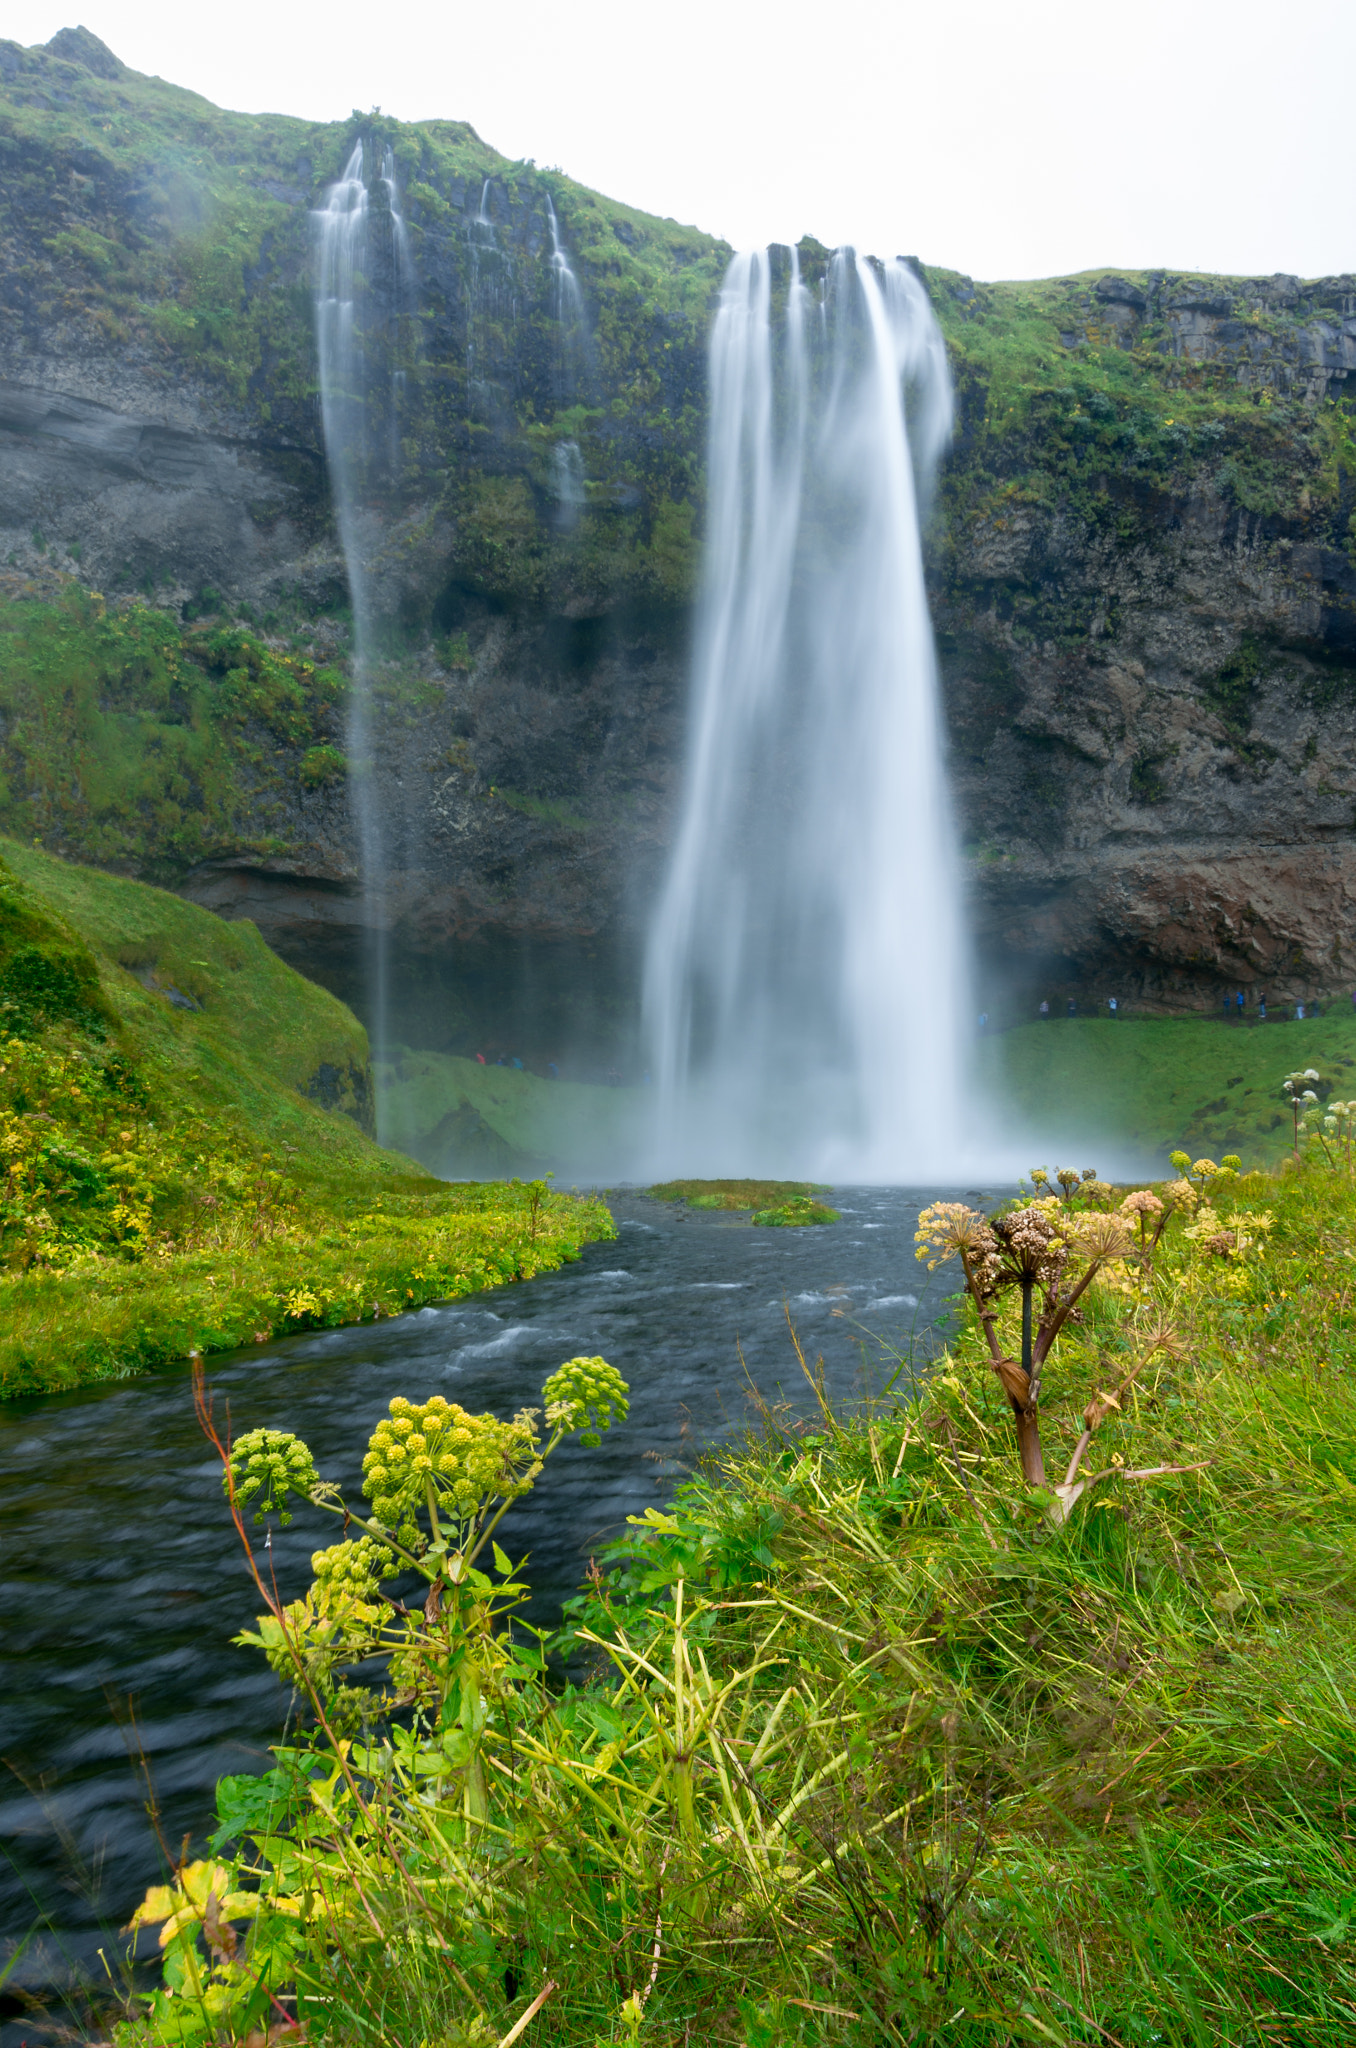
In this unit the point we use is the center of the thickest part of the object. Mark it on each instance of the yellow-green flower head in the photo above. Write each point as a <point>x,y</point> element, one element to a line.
<point>586,1393</point>
<point>271,1463</point>
<point>466,1459</point>
<point>353,1568</point>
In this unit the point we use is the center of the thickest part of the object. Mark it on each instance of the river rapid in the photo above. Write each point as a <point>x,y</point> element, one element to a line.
<point>124,1581</point>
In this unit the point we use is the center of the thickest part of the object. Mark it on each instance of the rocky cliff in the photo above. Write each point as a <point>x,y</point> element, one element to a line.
<point>1142,564</point>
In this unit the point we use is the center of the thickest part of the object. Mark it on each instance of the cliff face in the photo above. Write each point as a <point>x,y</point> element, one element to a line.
<point>1142,572</point>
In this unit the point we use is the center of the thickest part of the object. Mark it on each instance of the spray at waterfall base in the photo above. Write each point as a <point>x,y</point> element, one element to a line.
<point>805,984</point>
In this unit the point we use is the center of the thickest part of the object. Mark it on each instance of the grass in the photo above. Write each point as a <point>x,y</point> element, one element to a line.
<point>456,1114</point>
<point>732,1194</point>
<point>872,1746</point>
<point>1140,1086</point>
<point>185,1124</point>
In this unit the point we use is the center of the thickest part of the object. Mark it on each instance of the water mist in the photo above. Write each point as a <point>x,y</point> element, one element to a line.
<point>362,286</point>
<point>804,982</point>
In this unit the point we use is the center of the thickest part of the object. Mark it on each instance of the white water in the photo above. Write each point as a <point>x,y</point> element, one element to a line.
<point>362,274</point>
<point>573,375</point>
<point>804,983</point>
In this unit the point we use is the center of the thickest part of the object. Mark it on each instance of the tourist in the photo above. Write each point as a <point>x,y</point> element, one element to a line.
<point>1299,1013</point>
<point>1044,1013</point>
<point>1112,1005</point>
<point>480,1059</point>
<point>1261,1009</point>
<point>1071,1009</point>
<point>1238,1001</point>
<point>1228,1005</point>
<point>983,1025</point>
<point>553,1070</point>
<point>516,1062</point>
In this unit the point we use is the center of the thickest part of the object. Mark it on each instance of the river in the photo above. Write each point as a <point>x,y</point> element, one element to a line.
<point>124,1581</point>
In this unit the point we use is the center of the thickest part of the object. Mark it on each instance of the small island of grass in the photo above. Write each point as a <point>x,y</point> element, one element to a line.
<point>775,1204</point>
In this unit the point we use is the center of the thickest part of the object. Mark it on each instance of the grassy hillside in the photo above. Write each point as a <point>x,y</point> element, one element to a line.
<point>458,1116</point>
<point>1140,1087</point>
<point>183,1124</point>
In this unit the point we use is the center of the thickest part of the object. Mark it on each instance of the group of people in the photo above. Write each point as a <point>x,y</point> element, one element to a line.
<point>1234,1007</point>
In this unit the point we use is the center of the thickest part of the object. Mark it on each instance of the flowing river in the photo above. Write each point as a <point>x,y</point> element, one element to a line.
<point>124,1580</point>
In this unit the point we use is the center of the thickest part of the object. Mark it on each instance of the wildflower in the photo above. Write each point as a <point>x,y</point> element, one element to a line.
<point>439,1450</point>
<point>353,1568</point>
<point>272,1463</point>
<point>586,1391</point>
<point>1141,1203</point>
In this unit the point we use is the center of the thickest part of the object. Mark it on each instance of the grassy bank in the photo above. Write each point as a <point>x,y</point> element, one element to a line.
<point>187,1166</point>
<point>878,1743</point>
<point>1140,1086</point>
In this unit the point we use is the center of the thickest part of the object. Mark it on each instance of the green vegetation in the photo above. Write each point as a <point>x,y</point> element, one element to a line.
<point>1064,409</point>
<point>454,1113</point>
<point>734,1194</point>
<point>1140,1085</point>
<point>136,741</point>
<point>185,1165</point>
<point>869,1738</point>
<point>794,1214</point>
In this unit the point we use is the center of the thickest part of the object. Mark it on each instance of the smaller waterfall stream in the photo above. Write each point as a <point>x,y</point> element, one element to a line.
<point>363,274</point>
<point>804,979</point>
<point>573,378</point>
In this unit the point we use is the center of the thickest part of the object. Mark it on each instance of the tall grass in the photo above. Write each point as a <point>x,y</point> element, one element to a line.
<point>862,1742</point>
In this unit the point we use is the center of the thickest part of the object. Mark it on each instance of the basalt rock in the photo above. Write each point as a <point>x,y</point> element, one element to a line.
<point>1142,565</point>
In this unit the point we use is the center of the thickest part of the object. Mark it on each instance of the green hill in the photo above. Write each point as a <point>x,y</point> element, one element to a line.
<point>185,1127</point>
<point>1136,1089</point>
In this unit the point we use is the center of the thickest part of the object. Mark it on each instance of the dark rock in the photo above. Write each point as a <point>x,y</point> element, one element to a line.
<point>1117,292</point>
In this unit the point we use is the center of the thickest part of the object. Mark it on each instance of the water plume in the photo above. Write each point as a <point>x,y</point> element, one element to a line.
<point>804,981</point>
<point>363,274</point>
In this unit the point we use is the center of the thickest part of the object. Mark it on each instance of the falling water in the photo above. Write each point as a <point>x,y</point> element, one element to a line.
<point>804,978</point>
<point>362,280</point>
<point>573,374</point>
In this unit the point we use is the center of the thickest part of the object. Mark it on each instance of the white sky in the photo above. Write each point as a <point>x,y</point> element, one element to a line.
<point>997,137</point>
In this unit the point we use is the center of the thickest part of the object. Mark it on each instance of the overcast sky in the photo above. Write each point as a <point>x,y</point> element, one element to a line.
<point>1003,139</point>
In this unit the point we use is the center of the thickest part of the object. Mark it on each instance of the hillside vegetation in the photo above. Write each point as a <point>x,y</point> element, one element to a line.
<point>868,1739</point>
<point>184,1123</point>
<point>1139,1086</point>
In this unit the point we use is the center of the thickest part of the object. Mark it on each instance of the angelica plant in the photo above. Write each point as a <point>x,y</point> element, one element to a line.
<point>438,1481</point>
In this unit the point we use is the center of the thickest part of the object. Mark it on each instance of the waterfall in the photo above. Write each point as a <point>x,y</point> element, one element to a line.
<point>574,347</point>
<point>804,979</point>
<point>362,285</point>
<point>573,375</point>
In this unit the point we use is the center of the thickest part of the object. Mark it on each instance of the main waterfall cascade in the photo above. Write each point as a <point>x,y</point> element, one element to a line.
<point>363,276</point>
<point>804,983</point>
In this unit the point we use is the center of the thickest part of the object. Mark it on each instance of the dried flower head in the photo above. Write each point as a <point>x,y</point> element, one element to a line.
<point>1103,1237</point>
<point>947,1230</point>
<point>1032,1245</point>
